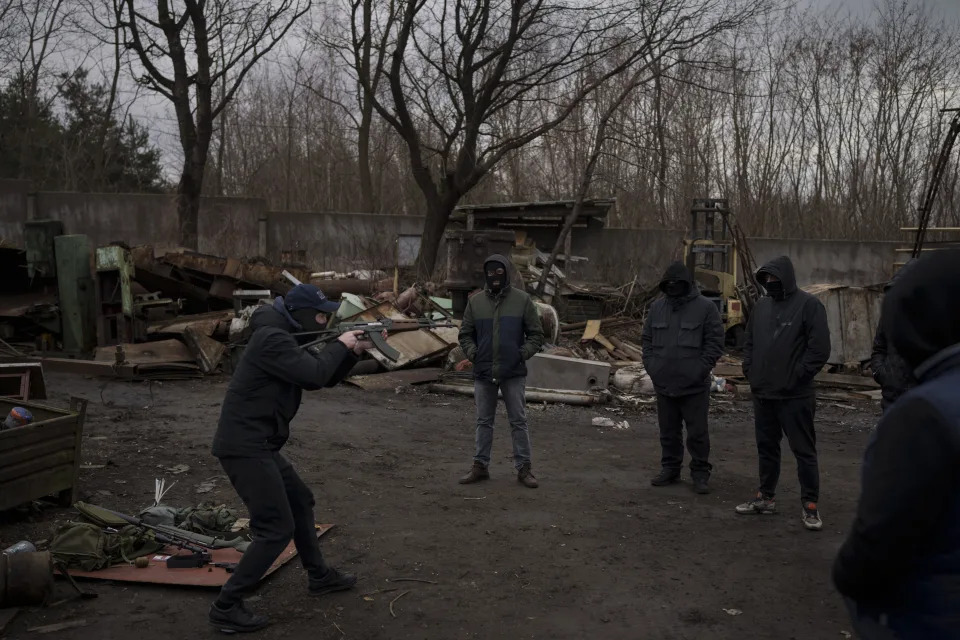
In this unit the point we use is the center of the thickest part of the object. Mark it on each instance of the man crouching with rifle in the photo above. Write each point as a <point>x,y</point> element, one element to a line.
<point>263,397</point>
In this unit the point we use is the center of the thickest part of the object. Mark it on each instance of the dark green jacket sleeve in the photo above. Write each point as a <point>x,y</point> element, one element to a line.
<point>532,330</point>
<point>467,336</point>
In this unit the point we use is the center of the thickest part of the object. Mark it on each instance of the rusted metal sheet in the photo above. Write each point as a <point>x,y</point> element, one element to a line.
<point>147,352</point>
<point>392,379</point>
<point>205,323</point>
<point>852,315</point>
<point>208,576</point>
<point>19,305</point>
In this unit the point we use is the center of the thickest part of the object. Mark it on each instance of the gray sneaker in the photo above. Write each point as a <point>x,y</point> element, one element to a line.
<point>761,505</point>
<point>811,517</point>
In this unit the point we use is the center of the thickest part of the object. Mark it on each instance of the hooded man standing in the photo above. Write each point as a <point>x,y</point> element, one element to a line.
<point>890,371</point>
<point>900,565</point>
<point>682,341</point>
<point>500,332</point>
<point>787,343</point>
<point>263,397</point>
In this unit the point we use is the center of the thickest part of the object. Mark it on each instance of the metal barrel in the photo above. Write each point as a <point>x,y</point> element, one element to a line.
<point>26,578</point>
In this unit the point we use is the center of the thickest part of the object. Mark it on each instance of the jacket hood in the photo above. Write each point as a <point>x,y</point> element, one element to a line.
<point>899,274</point>
<point>782,269</point>
<point>920,312</point>
<point>499,259</point>
<point>275,316</point>
<point>679,271</point>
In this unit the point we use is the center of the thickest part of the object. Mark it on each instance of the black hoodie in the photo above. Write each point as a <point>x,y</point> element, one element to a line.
<point>265,390</point>
<point>902,556</point>
<point>787,340</point>
<point>682,338</point>
<point>893,374</point>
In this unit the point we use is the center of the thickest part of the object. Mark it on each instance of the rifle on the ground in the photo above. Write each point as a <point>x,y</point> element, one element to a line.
<point>374,332</point>
<point>197,544</point>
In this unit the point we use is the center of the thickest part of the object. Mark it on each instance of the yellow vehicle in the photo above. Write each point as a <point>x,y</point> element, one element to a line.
<point>712,250</point>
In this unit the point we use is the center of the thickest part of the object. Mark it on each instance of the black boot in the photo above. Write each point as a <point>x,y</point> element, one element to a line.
<point>700,485</point>
<point>666,476</point>
<point>332,581</point>
<point>236,619</point>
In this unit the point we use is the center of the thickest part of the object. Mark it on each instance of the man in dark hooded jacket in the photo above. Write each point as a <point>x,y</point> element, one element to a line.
<point>262,398</point>
<point>500,332</point>
<point>900,565</point>
<point>682,341</point>
<point>890,371</point>
<point>787,343</point>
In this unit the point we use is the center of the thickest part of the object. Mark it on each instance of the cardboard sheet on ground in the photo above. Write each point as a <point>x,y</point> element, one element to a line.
<point>208,576</point>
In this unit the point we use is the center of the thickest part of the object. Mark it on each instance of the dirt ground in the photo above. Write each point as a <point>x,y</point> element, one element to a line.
<point>594,552</point>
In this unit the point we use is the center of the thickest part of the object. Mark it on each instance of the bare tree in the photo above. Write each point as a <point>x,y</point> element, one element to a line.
<point>450,66</point>
<point>227,38</point>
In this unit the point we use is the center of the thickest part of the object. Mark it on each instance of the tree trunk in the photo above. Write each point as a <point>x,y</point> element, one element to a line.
<point>368,200</point>
<point>438,213</point>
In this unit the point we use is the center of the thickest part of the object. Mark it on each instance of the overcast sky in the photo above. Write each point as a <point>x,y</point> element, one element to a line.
<point>948,7</point>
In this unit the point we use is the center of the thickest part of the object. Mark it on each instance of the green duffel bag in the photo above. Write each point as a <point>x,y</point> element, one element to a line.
<point>85,546</point>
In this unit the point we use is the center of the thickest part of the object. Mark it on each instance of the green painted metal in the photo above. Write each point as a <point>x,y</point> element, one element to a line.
<point>118,259</point>
<point>78,299</point>
<point>38,238</point>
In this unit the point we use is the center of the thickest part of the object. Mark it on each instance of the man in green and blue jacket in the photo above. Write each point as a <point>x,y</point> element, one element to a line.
<point>500,332</point>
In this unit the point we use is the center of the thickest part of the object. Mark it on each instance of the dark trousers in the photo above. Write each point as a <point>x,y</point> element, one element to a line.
<point>672,413</point>
<point>280,507</point>
<point>793,417</point>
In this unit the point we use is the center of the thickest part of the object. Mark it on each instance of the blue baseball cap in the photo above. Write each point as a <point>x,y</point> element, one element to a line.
<point>308,296</point>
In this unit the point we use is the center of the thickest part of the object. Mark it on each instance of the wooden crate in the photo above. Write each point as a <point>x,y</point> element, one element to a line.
<point>42,458</point>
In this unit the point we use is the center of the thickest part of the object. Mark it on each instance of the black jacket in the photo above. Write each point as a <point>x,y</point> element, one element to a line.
<point>902,556</point>
<point>264,393</point>
<point>682,338</point>
<point>787,341</point>
<point>890,370</point>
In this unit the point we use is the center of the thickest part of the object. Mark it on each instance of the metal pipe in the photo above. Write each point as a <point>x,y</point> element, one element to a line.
<point>532,395</point>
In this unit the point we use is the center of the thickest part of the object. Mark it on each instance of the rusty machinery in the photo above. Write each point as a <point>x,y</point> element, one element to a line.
<point>716,252</point>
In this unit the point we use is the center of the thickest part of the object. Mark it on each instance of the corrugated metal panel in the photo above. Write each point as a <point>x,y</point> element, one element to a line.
<point>852,315</point>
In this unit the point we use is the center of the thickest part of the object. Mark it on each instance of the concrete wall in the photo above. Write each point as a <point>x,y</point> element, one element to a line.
<point>619,254</point>
<point>338,240</point>
<point>108,217</point>
<point>831,261</point>
<point>13,211</point>
<point>242,227</point>
<point>230,226</point>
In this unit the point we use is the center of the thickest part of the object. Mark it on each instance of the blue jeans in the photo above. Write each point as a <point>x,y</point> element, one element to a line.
<point>513,390</point>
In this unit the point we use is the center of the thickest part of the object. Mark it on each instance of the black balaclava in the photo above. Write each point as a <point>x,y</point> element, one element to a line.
<point>496,283</point>
<point>307,318</point>
<point>774,289</point>
<point>675,288</point>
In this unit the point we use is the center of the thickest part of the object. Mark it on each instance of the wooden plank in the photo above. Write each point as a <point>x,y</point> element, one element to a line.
<point>37,432</point>
<point>606,344</point>
<point>846,380</point>
<point>37,465</point>
<point>17,455</point>
<point>591,330</point>
<point>171,350</point>
<point>631,353</point>
<point>728,370</point>
<point>393,379</point>
<point>38,485</point>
